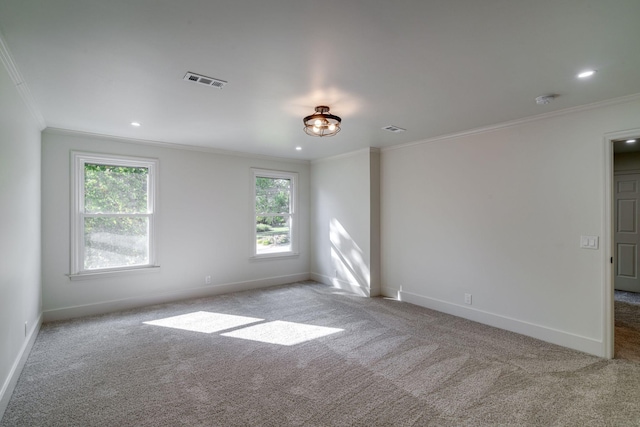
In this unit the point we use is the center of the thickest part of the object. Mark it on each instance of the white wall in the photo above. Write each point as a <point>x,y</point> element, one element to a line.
<point>345,221</point>
<point>205,219</point>
<point>20,290</point>
<point>499,215</point>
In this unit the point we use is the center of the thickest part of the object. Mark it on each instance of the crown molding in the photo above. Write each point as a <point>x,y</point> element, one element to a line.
<point>170,145</point>
<point>512,123</point>
<point>21,85</point>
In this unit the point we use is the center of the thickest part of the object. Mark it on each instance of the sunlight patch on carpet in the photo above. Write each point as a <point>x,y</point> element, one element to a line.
<point>203,321</point>
<point>282,333</point>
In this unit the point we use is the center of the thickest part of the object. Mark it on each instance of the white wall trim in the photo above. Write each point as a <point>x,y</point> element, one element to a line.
<point>341,284</point>
<point>21,85</point>
<point>390,292</point>
<point>512,123</point>
<point>170,145</point>
<point>626,172</point>
<point>344,155</point>
<point>11,381</point>
<point>607,314</point>
<point>160,298</point>
<point>554,336</point>
<point>608,323</point>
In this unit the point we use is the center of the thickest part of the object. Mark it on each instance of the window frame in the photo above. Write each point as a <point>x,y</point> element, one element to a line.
<point>293,212</point>
<point>78,161</point>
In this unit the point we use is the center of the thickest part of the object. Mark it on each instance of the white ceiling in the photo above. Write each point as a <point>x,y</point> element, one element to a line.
<point>434,67</point>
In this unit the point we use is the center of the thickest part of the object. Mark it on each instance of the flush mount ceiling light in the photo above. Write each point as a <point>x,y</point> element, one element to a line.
<point>630,141</point>
<point>135,124</point>
<point>322,123</point>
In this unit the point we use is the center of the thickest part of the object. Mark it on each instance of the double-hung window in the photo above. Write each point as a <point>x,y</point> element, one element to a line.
<point>113,213</point>
<point>274,221</point>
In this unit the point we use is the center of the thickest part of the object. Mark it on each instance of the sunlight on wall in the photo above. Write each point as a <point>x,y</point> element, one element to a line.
<point>202,321</point>
<point>277,332</point>
<point>282,333</point>
<point>347,258</point>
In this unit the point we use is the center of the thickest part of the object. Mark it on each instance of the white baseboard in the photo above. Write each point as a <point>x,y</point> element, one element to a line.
<point>354,288</point>
<point>388,291</point>
<point>141,301</point>
<point>12,379</point>
<point>554,336</point>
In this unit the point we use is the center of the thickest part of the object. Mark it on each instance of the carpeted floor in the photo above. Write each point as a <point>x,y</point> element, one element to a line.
<point>628,297</point>
<point>627,325</point>
<point>308,355</point>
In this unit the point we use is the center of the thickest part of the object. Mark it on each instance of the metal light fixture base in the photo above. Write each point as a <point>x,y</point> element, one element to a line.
<point>322,123</point>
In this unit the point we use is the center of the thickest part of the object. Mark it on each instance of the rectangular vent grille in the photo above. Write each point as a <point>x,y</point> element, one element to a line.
<point>204,80</point>
<point>392,128</point>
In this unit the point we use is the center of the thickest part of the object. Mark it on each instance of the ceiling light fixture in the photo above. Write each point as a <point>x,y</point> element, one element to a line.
<point>298,148</point>
<point>630,141</point>
<point>135,124</point>
<point>586,73</point>
<point>322,123</point>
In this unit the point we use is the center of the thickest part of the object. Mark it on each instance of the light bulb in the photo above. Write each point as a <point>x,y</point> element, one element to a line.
<point>630,141</point>
<point>316,129</point>
<point>318,122</point>
<point>332,127</point>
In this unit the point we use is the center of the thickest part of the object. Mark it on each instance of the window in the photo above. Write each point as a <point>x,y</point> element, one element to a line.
<point>113,213</point>
<point>274,219</point>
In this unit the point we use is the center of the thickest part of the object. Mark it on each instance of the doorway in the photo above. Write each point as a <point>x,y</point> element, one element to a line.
<point>625,262</point>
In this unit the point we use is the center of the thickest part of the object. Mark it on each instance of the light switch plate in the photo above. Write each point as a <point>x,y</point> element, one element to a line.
<point>589,242</point>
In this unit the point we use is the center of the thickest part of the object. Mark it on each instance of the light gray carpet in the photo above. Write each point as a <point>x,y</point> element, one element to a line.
<point>393,364</point>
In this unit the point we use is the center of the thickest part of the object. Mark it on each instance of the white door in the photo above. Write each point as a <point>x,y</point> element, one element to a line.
<point>627,234</point>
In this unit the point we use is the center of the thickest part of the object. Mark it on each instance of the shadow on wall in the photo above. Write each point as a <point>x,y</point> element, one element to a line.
<point>347,261</point>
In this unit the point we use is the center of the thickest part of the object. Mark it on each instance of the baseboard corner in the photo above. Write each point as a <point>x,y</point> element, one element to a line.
<point>341,284</point>
<point>12,379</point>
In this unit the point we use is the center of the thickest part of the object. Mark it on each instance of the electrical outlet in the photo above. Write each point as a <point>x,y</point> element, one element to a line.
<point>467,299</point>
<point>207,280</point>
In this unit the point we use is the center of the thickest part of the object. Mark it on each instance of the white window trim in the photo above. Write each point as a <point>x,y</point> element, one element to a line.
<point>78,160</point>
<point>268,173</point>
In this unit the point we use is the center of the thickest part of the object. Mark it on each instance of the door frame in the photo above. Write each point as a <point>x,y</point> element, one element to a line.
<point>608,250</point>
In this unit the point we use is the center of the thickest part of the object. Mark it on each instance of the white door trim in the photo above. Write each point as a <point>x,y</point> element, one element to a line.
<point>626,172</point>
<point>608,240</point>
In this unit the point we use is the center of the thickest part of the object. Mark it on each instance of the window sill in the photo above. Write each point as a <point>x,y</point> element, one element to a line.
<point>104,274</point>
<point>262,257</point>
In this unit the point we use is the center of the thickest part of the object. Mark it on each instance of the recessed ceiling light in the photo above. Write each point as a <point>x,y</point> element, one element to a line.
<point>298,148</point>
<point>630,141</point>
<point>586,73</point>
<point>136,124</point>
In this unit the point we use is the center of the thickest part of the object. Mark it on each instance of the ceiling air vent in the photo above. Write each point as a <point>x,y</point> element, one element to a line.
<point>204,80</point>
<point>392,128</point>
